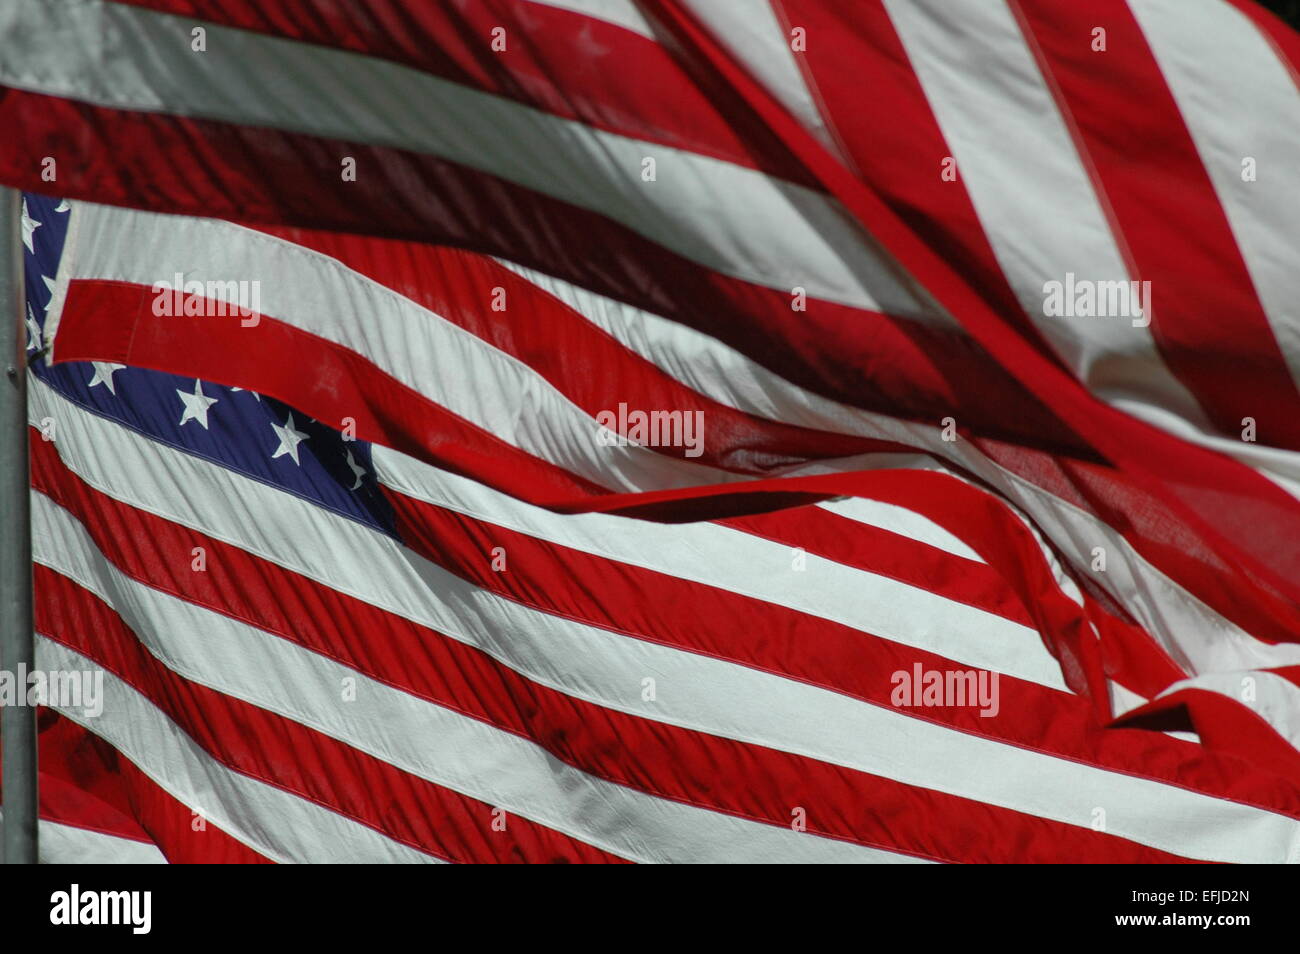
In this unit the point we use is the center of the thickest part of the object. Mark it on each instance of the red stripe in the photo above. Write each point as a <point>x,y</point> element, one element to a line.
<point>180,350</point>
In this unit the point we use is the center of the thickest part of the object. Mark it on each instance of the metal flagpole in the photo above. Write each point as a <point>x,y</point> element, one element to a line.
<point>17,646</point>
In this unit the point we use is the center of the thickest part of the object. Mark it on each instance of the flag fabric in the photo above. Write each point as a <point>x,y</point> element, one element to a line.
<point>327,650</point>
<point>1012,278</point>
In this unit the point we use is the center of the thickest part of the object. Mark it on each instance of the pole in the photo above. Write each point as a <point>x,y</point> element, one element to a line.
<point>17,646</point>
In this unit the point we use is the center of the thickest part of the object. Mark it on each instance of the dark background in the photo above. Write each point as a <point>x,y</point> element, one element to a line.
<point>1288,10</point>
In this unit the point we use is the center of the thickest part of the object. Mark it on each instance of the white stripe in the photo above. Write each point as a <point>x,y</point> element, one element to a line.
<point>433,742</point>
<point>752,33</point>
<point>60,844</point>
<point>713,696</point>
<point>275,823</point>
<point>69,845</point>
<point>1239,100</point>
<point>732,219</point>
<point>63,277</point>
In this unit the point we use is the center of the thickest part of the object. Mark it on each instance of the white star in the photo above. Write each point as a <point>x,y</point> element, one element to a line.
<point>357,471</point>
<point>62,206</point>
<point>34,342</point>
<point>30,225</point>
<point>104,371</point>
<point>289,440</point>
<point>254,393</point>
<point>196,405</point>
<point>49,283</point>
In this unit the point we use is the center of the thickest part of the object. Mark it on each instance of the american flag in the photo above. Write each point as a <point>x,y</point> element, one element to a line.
<point>361,572</point>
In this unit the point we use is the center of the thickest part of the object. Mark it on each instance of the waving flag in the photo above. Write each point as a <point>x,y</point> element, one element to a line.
<point>329,651</point>
<point>669,259</point>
